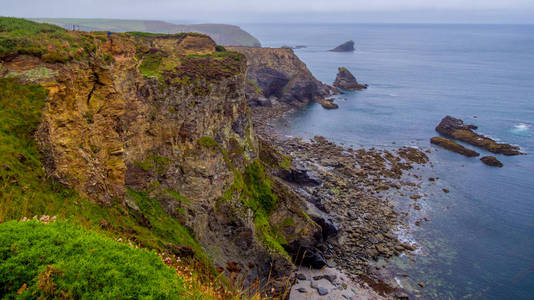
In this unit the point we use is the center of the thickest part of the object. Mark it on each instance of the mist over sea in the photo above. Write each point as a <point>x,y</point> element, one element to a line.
<point>479,240</point>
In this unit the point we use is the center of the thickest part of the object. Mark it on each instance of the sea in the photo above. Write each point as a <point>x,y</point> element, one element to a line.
<point>478,242</point>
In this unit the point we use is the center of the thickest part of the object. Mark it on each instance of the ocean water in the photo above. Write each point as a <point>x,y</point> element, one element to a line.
<point>479,240</point>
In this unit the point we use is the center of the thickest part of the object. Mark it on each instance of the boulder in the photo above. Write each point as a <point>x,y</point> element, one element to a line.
<point>455,128</point>
<point>346,81</point>
<point>491,161</point>
<point>329,104</point>
<point>453,146</point>
<point>345,47</point>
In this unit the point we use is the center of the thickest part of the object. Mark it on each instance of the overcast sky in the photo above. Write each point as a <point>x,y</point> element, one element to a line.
<point>239,11</point>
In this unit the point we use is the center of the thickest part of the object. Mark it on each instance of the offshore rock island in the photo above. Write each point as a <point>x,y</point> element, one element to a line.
<point>165,142</point>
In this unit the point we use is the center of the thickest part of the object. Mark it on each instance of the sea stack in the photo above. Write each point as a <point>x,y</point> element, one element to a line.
<point>345,47</point>
<point>346,81</point>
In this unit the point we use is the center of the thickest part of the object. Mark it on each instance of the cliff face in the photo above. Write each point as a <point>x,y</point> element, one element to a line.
<point>279,73</point>
<point>166,116</point>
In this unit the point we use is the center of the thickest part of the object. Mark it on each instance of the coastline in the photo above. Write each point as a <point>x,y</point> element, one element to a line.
<point>354,191</point>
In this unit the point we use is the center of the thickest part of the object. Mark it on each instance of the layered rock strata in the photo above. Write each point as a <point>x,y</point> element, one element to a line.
<point>453,146</point>
<point>456,129</point>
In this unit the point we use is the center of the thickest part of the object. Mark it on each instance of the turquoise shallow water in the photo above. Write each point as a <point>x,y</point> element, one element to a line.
<point>479,242</point>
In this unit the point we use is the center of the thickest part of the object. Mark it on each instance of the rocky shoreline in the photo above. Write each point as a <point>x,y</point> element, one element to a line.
<point>350,192</point>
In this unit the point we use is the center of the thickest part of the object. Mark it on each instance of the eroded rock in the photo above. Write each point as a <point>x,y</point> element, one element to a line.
<point>455,128</point>
<point>491,161</point>
<point>453,146</point>
<point>346,81</point>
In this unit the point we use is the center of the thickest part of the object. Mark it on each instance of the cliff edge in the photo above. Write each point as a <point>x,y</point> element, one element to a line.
<point>278,74</point>
<point>147,137</point>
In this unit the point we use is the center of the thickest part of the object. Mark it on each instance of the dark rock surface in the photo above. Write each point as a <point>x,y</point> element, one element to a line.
<point>329,104</point>
<point>346,81</point>
<point>345,47</point>
<point>277,73</point>
<point>455,128</point>
<point>453,146</point>
<point>491,161</point>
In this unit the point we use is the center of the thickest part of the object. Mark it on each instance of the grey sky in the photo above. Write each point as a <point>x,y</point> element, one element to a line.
<point>235,11</point>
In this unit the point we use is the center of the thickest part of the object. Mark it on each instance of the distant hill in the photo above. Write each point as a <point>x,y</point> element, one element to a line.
<point>222,34</point>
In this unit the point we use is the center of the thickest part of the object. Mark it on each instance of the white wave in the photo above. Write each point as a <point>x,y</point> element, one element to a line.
<point>522,127</point>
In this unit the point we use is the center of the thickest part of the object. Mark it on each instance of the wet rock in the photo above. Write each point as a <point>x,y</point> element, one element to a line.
<point>491,161</point>
<point>329,104</point>
<point>455,128</point>
<point>298,176</point>
<point>421,284</point>
<point>330,277</point>
<point>306,256</point>
<point>345,47</point>
<point>322,291</point>
<point>453,146</point>
<point>346,81</point>
<point>413,155</point>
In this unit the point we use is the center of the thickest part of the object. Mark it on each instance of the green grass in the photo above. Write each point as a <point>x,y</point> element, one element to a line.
<point>221,33</point>
<point>62,260</point>
<point>150,66</point>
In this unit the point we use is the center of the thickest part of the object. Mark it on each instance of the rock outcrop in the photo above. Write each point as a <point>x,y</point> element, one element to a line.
<point>455,128</point>
<point>345,47</point>
<point>166,116</point>
<point>329,104</point>
<point>491,161</point>
<point>346,81</point>
<point>278,74</point>
<point>453,146</point>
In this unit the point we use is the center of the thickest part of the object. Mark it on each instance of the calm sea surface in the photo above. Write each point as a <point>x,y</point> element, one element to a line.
<point>479,240</point>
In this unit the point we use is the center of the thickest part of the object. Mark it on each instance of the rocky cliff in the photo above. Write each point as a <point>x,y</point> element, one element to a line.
<point>165,117</point>
<point>278,74</point>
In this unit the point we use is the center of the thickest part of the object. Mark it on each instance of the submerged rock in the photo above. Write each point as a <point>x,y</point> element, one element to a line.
<point>491,161</point>
<point>455,128</point>
<point>345,80</point>
<point>345,47</point>
<point>453,146</point>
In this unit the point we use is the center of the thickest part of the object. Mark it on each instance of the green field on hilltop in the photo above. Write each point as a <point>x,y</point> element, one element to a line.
<point>223,34</point>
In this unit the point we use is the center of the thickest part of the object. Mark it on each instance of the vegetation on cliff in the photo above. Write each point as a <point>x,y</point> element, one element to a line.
<point>252,188</point>
<point>63,261</point>
<point>110,138</point>
<point>25,191</point>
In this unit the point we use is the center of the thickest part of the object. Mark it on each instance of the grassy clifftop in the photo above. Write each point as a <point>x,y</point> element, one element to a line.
<point>60,260</point>
<point>222,34</point>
